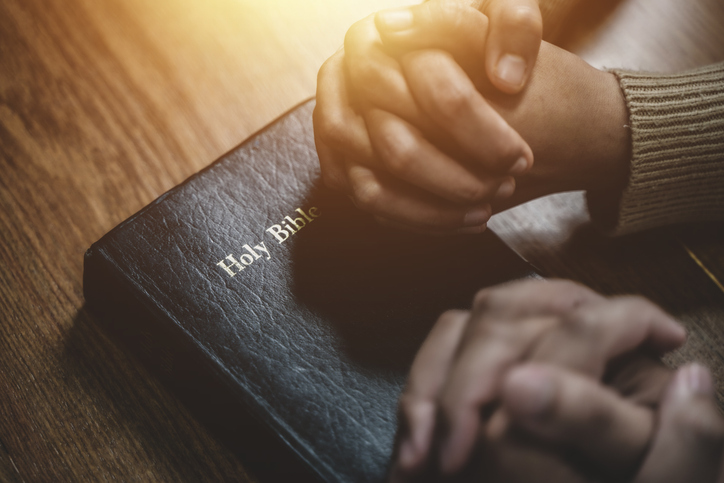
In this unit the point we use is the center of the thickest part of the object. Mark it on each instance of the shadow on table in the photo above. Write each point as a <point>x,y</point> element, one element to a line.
<point>163,419</point>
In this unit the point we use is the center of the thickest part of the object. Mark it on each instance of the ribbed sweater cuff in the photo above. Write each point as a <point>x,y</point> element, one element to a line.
<point>677,166</point>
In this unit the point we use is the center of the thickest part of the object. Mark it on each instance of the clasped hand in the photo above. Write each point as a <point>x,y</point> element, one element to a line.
<point>550,381</point>
<point>431,116</point>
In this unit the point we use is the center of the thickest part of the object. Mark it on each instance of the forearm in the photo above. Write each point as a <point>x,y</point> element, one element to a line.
<point>647,148</point>
<point>575,120</point>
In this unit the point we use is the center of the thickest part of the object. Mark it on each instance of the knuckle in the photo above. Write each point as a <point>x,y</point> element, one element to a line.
<point>482,299</point>
<point>583,324</point>
<point>453,99</point>
<point>332,179</point>
<point>509,150</point>
<point>364,71</point>
<point>399,153</point>
<point>569,296</point>
<point>366,193</point>
<point>330,129</point>
<point>640,307</point>
<point>365,74</point>
<point>505,145</point>
<point>451,13</point>
<point>321,75</point>
<point>500,296</point>
<point>450,318</point>
<point>486,298</point>
<point>524,18</point>
<point>324,72</point>
<point>354,37</point>
<point>505,333</point>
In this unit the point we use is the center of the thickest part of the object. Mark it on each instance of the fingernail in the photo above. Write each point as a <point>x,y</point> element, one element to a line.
<point>520,166</point>
<point>400,19</point>
<point>690,381</point>
<point>511,69</point>
<point>473,230</point>
<point>477,216</point>
<point>698,380</point>
<point>505,190</point>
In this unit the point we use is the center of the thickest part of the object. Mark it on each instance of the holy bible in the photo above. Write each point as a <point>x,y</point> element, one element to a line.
<point>283,316</point>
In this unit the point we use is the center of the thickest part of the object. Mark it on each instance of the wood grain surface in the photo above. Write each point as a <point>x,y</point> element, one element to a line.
<point>106,105</point>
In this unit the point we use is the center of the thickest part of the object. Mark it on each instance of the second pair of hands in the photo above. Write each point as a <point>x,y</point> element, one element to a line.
<point>426,125</point>
<point>550,381</point>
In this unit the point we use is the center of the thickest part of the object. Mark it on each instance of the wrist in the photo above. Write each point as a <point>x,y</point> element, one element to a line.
<point>588,143</point>
<point>610,152</point>
<point>574,118</point>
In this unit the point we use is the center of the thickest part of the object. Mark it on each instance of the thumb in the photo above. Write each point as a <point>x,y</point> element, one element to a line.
<point>568,410</point>
<point>516,29</point>
<point>689,442</point>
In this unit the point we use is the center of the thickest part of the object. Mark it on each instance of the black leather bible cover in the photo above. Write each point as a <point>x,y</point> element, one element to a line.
<point>282,315</point>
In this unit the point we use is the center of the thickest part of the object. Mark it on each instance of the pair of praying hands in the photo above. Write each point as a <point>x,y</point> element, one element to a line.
<point>434,117</point>
<point>548,381</point>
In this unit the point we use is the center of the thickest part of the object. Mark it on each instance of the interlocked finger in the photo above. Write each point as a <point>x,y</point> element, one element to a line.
<point>602,331</point>
<point>382,195</point>
<point>407,155</point>
<point>376,79</point>
<point>448,96</point>
<point>336,124</point>
<point>570,410</point>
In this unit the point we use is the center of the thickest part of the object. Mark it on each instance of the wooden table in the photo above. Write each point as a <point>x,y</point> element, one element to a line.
<point>106,105</point>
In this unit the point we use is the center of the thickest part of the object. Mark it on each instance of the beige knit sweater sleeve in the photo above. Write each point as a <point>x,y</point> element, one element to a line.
<point>677,165</point>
